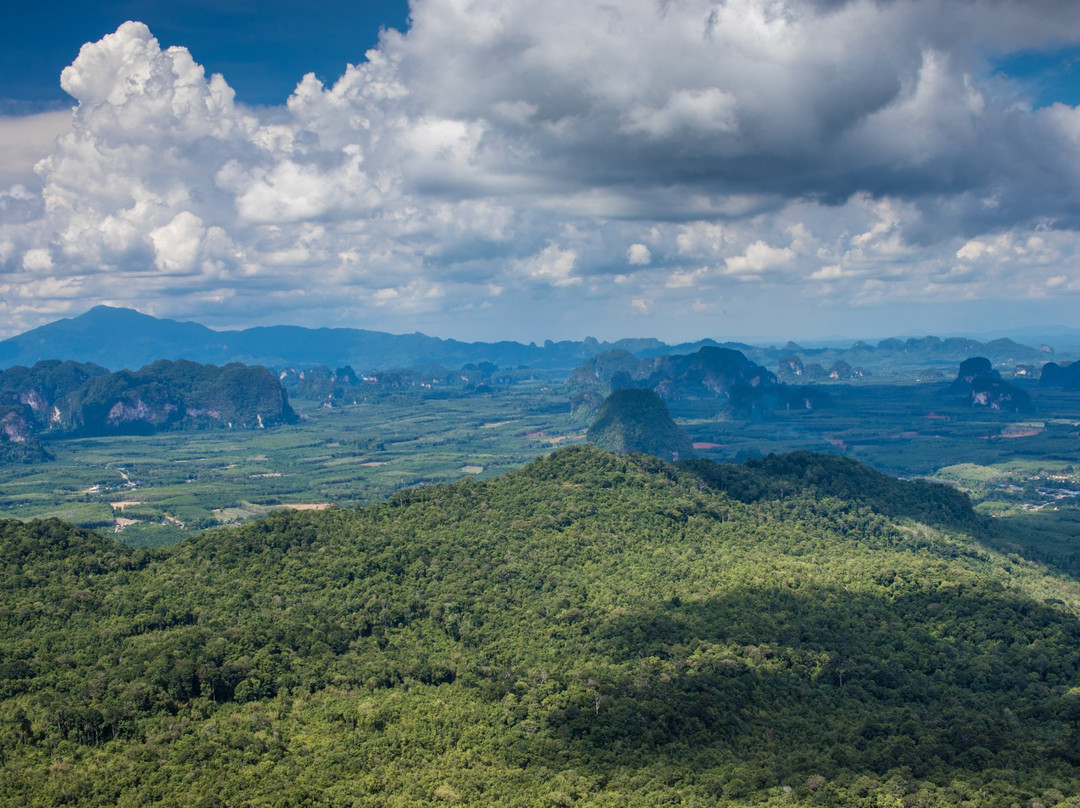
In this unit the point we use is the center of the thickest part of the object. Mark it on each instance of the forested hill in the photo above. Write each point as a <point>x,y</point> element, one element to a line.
<point>72,398</point>
<point>592,629</point>
<point>632,420</point>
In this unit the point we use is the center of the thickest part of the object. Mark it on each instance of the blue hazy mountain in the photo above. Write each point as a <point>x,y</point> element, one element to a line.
<point>118,338</point>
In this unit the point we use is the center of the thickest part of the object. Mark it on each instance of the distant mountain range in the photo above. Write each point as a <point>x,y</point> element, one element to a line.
<point>118,338</point>
<point>123,338</point>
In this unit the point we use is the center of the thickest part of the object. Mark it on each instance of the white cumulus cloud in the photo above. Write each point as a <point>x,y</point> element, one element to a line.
<point>552,265</point>
<point>758,258</point>
<point>177,244</point>
<point>638,255</point>
<point>523,144</point>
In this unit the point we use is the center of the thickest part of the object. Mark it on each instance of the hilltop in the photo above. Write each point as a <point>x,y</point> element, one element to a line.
<point>590,629</point>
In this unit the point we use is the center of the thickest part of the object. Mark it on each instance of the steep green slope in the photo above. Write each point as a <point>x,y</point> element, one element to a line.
<point>593,629</point>
<point>632,420</point>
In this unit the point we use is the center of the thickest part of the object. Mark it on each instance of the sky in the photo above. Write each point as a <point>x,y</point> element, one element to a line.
<point>545,169</point>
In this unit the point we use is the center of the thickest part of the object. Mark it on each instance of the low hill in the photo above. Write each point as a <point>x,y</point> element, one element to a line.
<point>633,420</point>
<point>1066,376</point>
<point>593,629</point>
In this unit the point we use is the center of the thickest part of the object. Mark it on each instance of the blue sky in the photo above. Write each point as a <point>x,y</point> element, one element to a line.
<point>1048,76</point>
<point>534,169</point>
<point>264,48</point>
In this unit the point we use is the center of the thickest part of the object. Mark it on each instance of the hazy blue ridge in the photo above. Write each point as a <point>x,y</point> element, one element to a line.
<point>118,338</point>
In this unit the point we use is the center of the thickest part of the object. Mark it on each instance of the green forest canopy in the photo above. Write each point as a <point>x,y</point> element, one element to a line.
<point>592,629</point>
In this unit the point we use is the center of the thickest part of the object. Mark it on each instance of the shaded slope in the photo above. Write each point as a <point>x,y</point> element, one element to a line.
<point>818,475</point>
<point>632,420</point>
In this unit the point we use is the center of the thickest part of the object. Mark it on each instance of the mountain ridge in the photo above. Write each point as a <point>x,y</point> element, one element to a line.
<point>119,338</point>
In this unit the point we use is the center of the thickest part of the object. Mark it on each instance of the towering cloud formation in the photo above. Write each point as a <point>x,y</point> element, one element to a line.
<point>674,158</point>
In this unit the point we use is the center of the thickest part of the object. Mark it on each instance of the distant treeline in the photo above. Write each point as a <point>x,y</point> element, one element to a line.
<point>345,385</point>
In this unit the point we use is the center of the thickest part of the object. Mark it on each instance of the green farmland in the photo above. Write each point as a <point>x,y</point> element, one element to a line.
<point>156,489</point>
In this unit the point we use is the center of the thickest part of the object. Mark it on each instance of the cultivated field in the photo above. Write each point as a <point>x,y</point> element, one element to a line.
<point>153,489</point>
<point>157,489</point>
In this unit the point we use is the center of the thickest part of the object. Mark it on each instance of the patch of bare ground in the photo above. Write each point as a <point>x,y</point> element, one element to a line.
<point>561,438</point>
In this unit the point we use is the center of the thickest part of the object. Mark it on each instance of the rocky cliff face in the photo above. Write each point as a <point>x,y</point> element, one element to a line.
<point>977,381</point>
<point>18,443</point>
<point>69,398</point>
<point>739,384</point>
